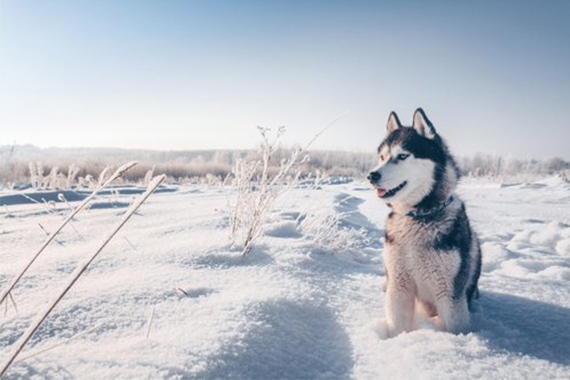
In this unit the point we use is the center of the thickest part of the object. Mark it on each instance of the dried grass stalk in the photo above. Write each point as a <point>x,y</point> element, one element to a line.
<point>118,173</point>
<point>79,335</point>
<point>77,273</point>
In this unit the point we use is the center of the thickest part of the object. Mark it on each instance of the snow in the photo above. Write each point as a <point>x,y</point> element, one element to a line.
<point>307,302</point>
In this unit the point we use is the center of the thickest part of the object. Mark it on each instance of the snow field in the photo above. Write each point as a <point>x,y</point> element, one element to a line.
<point>307,302</point>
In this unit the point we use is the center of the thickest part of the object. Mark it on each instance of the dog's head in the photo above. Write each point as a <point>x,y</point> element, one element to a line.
<point>411,162</point>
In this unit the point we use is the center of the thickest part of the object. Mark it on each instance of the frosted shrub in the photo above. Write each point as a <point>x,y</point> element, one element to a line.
<point>148,176</point>
<point>87,182</point>
<point>34,179</point>
<point>244,172</point>
<point>54,180</point>
<point>105,173</point>
<point>40,175</point>
<point>37,179</point>
<point>258,185</point>
<point>72,172</point>
<point>256,189</point>
<point>326,230</point>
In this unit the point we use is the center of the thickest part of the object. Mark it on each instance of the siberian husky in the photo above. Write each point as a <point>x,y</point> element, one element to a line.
<point>432,256</point>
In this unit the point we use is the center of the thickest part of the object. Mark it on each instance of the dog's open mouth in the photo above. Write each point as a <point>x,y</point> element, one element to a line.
<point>383,193</point>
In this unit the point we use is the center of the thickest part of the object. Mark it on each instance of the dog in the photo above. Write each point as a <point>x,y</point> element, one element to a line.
<point>432,256</point>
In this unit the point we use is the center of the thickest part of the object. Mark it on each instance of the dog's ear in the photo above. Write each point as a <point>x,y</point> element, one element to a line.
<point>393,123</point>
<point>422,125</point>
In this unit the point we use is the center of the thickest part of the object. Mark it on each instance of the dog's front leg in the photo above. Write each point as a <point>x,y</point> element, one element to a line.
<point>454,314</point>
<point>400,304</point>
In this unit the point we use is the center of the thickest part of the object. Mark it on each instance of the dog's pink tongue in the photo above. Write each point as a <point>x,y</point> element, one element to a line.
<point>380,192</point>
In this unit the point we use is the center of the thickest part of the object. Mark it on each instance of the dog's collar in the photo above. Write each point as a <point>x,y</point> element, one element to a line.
<point>422,213</point>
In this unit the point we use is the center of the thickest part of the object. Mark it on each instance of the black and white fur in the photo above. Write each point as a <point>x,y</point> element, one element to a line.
<point>432,255</point>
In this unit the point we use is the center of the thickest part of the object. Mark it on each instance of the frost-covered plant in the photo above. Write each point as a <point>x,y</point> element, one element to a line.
<point>257,189</point>
<point>105,173</point>
<point>243,173</point>
<point>72,173</point>
<point>40,174</point>
<point>257,186</point>
<point>314,181</point>
<point>211,180</point>
<point>34,180</point>
<point>325,229</point>
<point>52,178</point>
<point>148,176</point>
<point>87,182</point>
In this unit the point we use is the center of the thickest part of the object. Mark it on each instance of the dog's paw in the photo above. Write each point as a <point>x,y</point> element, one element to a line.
<point>380,328</point>
<point>433,324</point>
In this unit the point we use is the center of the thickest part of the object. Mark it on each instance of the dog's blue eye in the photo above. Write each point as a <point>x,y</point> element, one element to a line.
<point>402,156</point>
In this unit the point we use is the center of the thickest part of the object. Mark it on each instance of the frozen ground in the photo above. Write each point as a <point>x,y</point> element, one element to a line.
<point>294,308</point>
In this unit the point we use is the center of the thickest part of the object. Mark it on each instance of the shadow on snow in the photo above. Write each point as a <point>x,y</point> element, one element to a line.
<point>524,327</point>
<point>288,341</point>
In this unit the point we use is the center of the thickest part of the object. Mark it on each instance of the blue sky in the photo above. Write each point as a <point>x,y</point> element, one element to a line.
<point>494,76</point>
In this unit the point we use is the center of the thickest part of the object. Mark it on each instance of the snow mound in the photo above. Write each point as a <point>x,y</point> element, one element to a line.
<point>286,229</point>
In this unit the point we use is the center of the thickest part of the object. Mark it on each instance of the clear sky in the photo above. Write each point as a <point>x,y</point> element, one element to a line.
<point>494,76</point>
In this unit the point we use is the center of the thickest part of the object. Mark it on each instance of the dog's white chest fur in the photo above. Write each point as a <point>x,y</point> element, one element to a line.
<point>417,265</point>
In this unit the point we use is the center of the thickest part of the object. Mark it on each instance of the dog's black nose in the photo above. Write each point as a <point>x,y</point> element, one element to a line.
<point>374,177</point>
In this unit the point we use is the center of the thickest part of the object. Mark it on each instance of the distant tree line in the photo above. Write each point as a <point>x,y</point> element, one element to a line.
<point>15,163</point>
